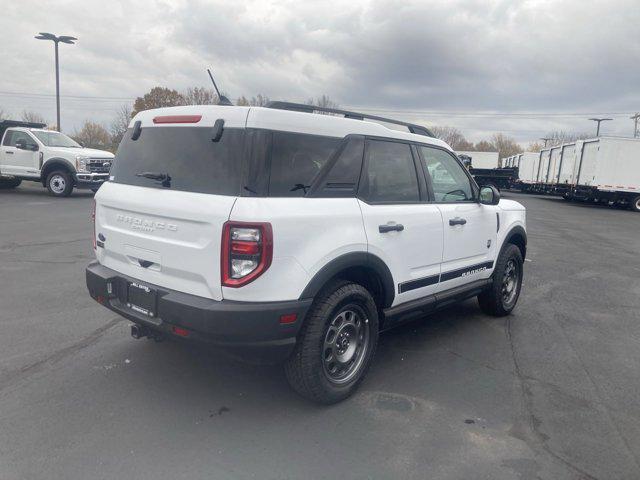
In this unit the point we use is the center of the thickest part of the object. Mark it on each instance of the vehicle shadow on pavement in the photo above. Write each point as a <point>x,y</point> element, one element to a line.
<point>37,191</point>
<point>213,376</point>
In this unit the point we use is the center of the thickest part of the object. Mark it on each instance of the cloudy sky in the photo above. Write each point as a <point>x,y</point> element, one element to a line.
<point>518,67</point>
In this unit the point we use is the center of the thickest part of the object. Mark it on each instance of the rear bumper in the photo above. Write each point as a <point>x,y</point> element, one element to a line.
<point>90,180</point>
<point>249,329</point>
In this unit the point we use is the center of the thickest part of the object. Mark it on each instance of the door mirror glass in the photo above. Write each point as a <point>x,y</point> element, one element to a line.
<point>489,195</point>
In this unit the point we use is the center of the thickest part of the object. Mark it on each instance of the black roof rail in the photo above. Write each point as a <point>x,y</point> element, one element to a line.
<point>300,107</point>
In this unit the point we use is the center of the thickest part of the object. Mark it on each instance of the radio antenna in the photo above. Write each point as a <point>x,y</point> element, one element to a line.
<point>222,100</point>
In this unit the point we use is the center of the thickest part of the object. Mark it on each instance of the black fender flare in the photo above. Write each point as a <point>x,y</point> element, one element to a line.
<point>517,230</point>
<point>349,260</point>
<point>50,164</point>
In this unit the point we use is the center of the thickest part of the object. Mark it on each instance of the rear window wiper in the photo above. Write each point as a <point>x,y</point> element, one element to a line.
<point>160,177</point>
<point>154,175</point>
<point>300,186</point>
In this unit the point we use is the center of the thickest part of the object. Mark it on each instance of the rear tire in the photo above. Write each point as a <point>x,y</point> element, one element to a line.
<point>60,183</point>
<point>635,204</point>
<point>336,345</point>
<point>501,298</point>
<point>6,184</point>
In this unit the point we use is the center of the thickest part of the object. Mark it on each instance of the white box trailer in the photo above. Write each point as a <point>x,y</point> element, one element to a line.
<point>554,165</point>
<point>567,164</point>
<point>528,168</point>
<point>543,165</point>
<point>482,159</point>
<point>607,170</point>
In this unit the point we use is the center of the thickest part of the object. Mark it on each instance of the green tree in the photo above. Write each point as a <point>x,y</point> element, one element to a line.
<point>158,97</point>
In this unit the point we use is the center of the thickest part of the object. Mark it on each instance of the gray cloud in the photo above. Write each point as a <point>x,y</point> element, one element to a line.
<point>401,57</point>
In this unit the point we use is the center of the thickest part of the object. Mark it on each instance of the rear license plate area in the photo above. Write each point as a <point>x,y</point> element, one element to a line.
<point>142,299</point>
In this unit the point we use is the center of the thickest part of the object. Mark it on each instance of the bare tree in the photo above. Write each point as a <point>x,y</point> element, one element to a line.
<point>324,101</point>
<point>453,137</point>
<point>484,146</point>
<point>257,101</point>
<point>558,137</point>
<point>506,146</point>
<point>119,125</point>
<point>93,135</point>
<point>2,114</point>
<point>33,117</point>
<point>200,96</point>
<point>535,147</point>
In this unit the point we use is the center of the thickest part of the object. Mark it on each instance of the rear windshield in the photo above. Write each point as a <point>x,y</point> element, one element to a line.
<point>181,158</point>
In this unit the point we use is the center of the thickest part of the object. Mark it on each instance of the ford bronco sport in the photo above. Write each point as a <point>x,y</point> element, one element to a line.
<point>294,236</point>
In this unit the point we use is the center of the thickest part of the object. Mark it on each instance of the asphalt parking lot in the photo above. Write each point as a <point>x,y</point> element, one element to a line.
<point>551,392</point>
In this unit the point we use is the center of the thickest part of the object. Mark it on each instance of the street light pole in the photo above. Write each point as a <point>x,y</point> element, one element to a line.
<point>635,124</point>
<point>56,41</point>
<point>57,89</point>
<point>599,120</point>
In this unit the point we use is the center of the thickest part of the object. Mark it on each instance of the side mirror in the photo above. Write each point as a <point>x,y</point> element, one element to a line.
<point>489,195</point>
<point>21,144</point>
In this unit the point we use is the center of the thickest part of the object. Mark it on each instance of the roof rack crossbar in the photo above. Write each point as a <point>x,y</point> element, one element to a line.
<point>300,107</point>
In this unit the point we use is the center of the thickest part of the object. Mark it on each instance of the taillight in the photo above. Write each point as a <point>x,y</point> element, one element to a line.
<point>93,219</point>
<point>247,249</point>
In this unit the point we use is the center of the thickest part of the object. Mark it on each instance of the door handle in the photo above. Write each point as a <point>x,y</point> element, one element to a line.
<point>457,221</point>
<point>9,152</point>
<point>397,227</point>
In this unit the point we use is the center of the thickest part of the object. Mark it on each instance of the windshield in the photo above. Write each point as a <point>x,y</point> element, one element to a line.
<point>56,139</point>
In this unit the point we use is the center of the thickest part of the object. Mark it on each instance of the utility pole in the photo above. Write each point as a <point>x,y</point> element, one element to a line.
<point>599,120</point>
<point>56,41</point>
<point>635,124</point>
<point>546,139</point>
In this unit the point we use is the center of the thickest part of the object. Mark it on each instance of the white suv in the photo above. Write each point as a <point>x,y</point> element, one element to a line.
<point>296,236</point>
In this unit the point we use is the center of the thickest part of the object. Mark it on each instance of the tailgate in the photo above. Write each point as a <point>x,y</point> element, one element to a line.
<point>168,238</point>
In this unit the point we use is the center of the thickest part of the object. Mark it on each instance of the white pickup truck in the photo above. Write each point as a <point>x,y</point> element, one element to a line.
<point>30,152</point>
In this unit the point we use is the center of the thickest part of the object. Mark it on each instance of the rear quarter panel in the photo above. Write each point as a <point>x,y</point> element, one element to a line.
<point>307,234</point>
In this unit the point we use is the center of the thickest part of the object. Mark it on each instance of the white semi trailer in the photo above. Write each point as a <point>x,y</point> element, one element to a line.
<point>604,170</point>
<point>608,171</point>
<point>482,159</point>
<point>527,163</point>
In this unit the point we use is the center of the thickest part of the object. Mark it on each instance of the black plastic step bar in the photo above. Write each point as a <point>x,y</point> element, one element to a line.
<point>300,107</point>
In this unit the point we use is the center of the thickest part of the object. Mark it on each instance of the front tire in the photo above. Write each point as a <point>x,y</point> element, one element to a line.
<point>60,183</point>
<point>10,183</point>
<point>336,345</point>
<point>501,298</point>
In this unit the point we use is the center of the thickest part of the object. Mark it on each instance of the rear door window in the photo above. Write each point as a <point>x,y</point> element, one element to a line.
<point>390,175</point>
<point>296,159</point>
<point>184,158</point>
